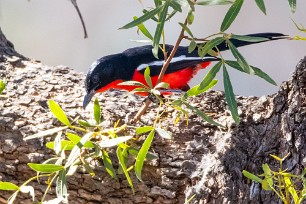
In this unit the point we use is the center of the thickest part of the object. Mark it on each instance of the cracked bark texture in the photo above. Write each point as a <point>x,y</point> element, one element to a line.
<point>201,160</point>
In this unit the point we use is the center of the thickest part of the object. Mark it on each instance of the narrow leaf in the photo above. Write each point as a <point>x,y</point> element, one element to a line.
<point>114,141</point>
<point>144,30</point>
<point>240,59</point>
<point>162,85</point>
<point>261,6</point>
<point>123,166</point>
<point>258,72</point>
<point>229,96</point>
<point>76,139</point>
<point>192,46</point>
<point>97,111</point>
<point>251,176</point>
<point>142,154</point>
<point>160,28</point>
<point>61,186</point>
<point>249,38</point>
<point>164,133</point>
<point>58,112</point>
<point>231,15</point>
<point>143,18</point>
<point>57,143</point>
<point>176,6</point>
<point>210,76</point>
<point>190,17</point>
<point>292,4</point>
<point>195,91</point>
<point>45,168</point>
<point>143,129</point>
<point>75,152</point>
<point>108,164</point>
<point>2,86</point>
<point>135,152</point>
<point>212,3</point>
<point>8,186</point>
<point>147,77</point>
<point>201,114</point>
<point>65,145</point>
<point>210,45</point>
<point>186,29</point>
<point>45,133</point>
<point>84,123</point>
<point>291,189</point>
<point>132,83</point>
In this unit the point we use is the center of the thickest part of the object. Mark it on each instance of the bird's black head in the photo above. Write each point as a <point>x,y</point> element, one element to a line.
<point>101,73</point>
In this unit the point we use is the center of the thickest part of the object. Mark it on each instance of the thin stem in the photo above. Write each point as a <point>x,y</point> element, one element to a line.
<point>145,106</point>
<point>48,187</point>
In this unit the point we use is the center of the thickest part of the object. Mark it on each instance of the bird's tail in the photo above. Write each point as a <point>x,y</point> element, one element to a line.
<point>240,43</point>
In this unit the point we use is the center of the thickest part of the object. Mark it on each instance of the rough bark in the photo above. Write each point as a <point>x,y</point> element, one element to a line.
<point>201,160</point>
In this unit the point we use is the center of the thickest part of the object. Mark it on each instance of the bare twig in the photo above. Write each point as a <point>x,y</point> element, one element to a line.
<point>74,2</point>
<point>143,109</point>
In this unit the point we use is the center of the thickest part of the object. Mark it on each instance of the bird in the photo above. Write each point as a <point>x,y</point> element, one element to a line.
<point>109,71</point>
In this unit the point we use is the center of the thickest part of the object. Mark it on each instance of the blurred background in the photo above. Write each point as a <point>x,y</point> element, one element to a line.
<point>51,31</point>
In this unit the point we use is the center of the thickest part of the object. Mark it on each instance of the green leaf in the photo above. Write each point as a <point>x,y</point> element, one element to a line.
<point>61,186</point>
<point>211,3</point>
<point>76,139</point>
<point>190,17</point>
<point>164,133</point>
<point>65,145</point>
<point>114,141</point>
<point>135,152</point>
<point>144,30</point>
<point>75,152</point>
<point>162,85</point>
<point>108,164</point>
<point>209,45</point>
<point>84,123</point>
<point>290,187</point>
<point>292,4</point>
<point>261,6</point>
<point>249,38</point>
<point>97,111</point>
<point>192,46</point>
<point>45,168</point>
<point>210,76</point>
<point>2,86</point>
<point>88,168</point>
<point>142,154</point>
<point>251,176</point>
<point>132,83</point>
<point>143,129</point>
<point>268,181</point>
<point>176,6</point>
<point>123,166</point>
<point>186,29</point>
<point>195,91</point>
<point>231,15</point>
<point>240,59</point>
<point>147,77</point>
<point>8,186</point>
<point>258,72</point>
<point>229,96</point>
<point>58,112</point>
<point>160,28</point>
<point>201,114</point>
<point>45,133</point>
<point>143,18</point>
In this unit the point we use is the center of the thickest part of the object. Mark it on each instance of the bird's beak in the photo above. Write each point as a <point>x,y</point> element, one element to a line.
<point>87,98</point>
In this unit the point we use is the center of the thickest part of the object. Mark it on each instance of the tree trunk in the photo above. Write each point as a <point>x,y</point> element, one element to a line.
<point>202,160</point>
